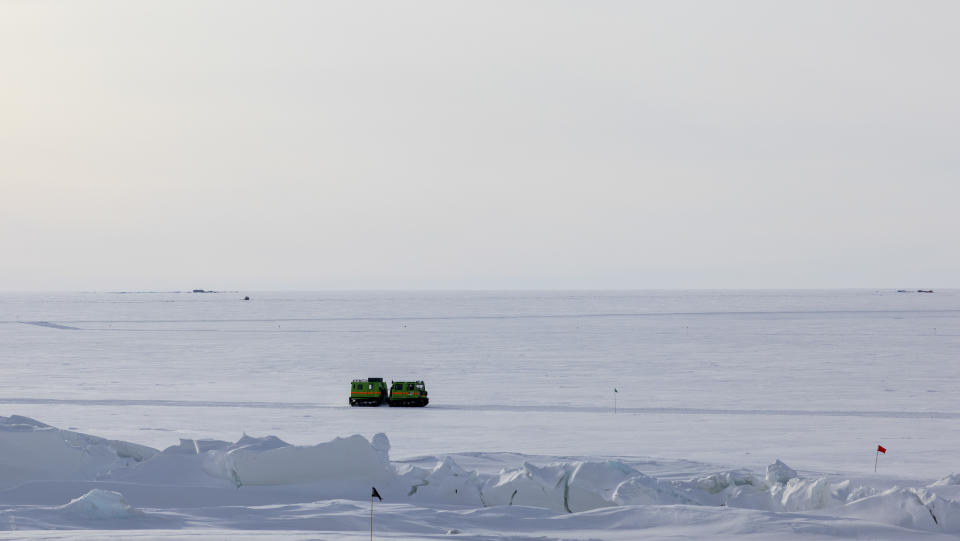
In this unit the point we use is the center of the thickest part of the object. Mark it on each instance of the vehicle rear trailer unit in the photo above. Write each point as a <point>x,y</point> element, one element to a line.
<point>368,392</point>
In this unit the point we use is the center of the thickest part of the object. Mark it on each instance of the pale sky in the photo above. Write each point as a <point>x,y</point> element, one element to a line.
<point>478,145</point>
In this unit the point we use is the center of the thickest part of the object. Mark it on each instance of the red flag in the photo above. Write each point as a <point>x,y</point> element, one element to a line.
<point>881,449</point>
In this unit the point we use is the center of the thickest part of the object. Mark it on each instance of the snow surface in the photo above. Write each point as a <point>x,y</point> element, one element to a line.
<point>740,414</point>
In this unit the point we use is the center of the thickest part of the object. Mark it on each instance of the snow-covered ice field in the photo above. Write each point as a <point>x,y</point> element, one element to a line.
<point>150,415</point>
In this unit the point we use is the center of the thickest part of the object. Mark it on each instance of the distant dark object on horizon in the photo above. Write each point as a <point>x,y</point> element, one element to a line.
<point>203,291</point>
<point>918,291</point>
<point>246,298</point>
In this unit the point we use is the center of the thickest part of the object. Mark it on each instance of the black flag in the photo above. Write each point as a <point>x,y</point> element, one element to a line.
<point>376,494</point>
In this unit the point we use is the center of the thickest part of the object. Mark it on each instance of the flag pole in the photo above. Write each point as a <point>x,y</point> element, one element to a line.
<point>373,494</point>
<point>880,449</point>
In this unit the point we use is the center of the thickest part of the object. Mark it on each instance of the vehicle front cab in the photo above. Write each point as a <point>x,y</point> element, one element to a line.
<point>408,393</point>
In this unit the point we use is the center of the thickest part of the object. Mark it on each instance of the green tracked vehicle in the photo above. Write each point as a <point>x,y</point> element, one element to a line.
<point>368,392</point>
<point>408,394</point>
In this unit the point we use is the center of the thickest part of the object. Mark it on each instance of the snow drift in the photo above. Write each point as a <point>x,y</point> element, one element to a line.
<point>271,461</point>
<point>32,451</point>
<point>268,471</point>
<point>102,504</point>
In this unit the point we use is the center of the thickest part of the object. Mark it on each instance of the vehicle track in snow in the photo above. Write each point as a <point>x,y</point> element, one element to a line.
<point>546,408</point>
